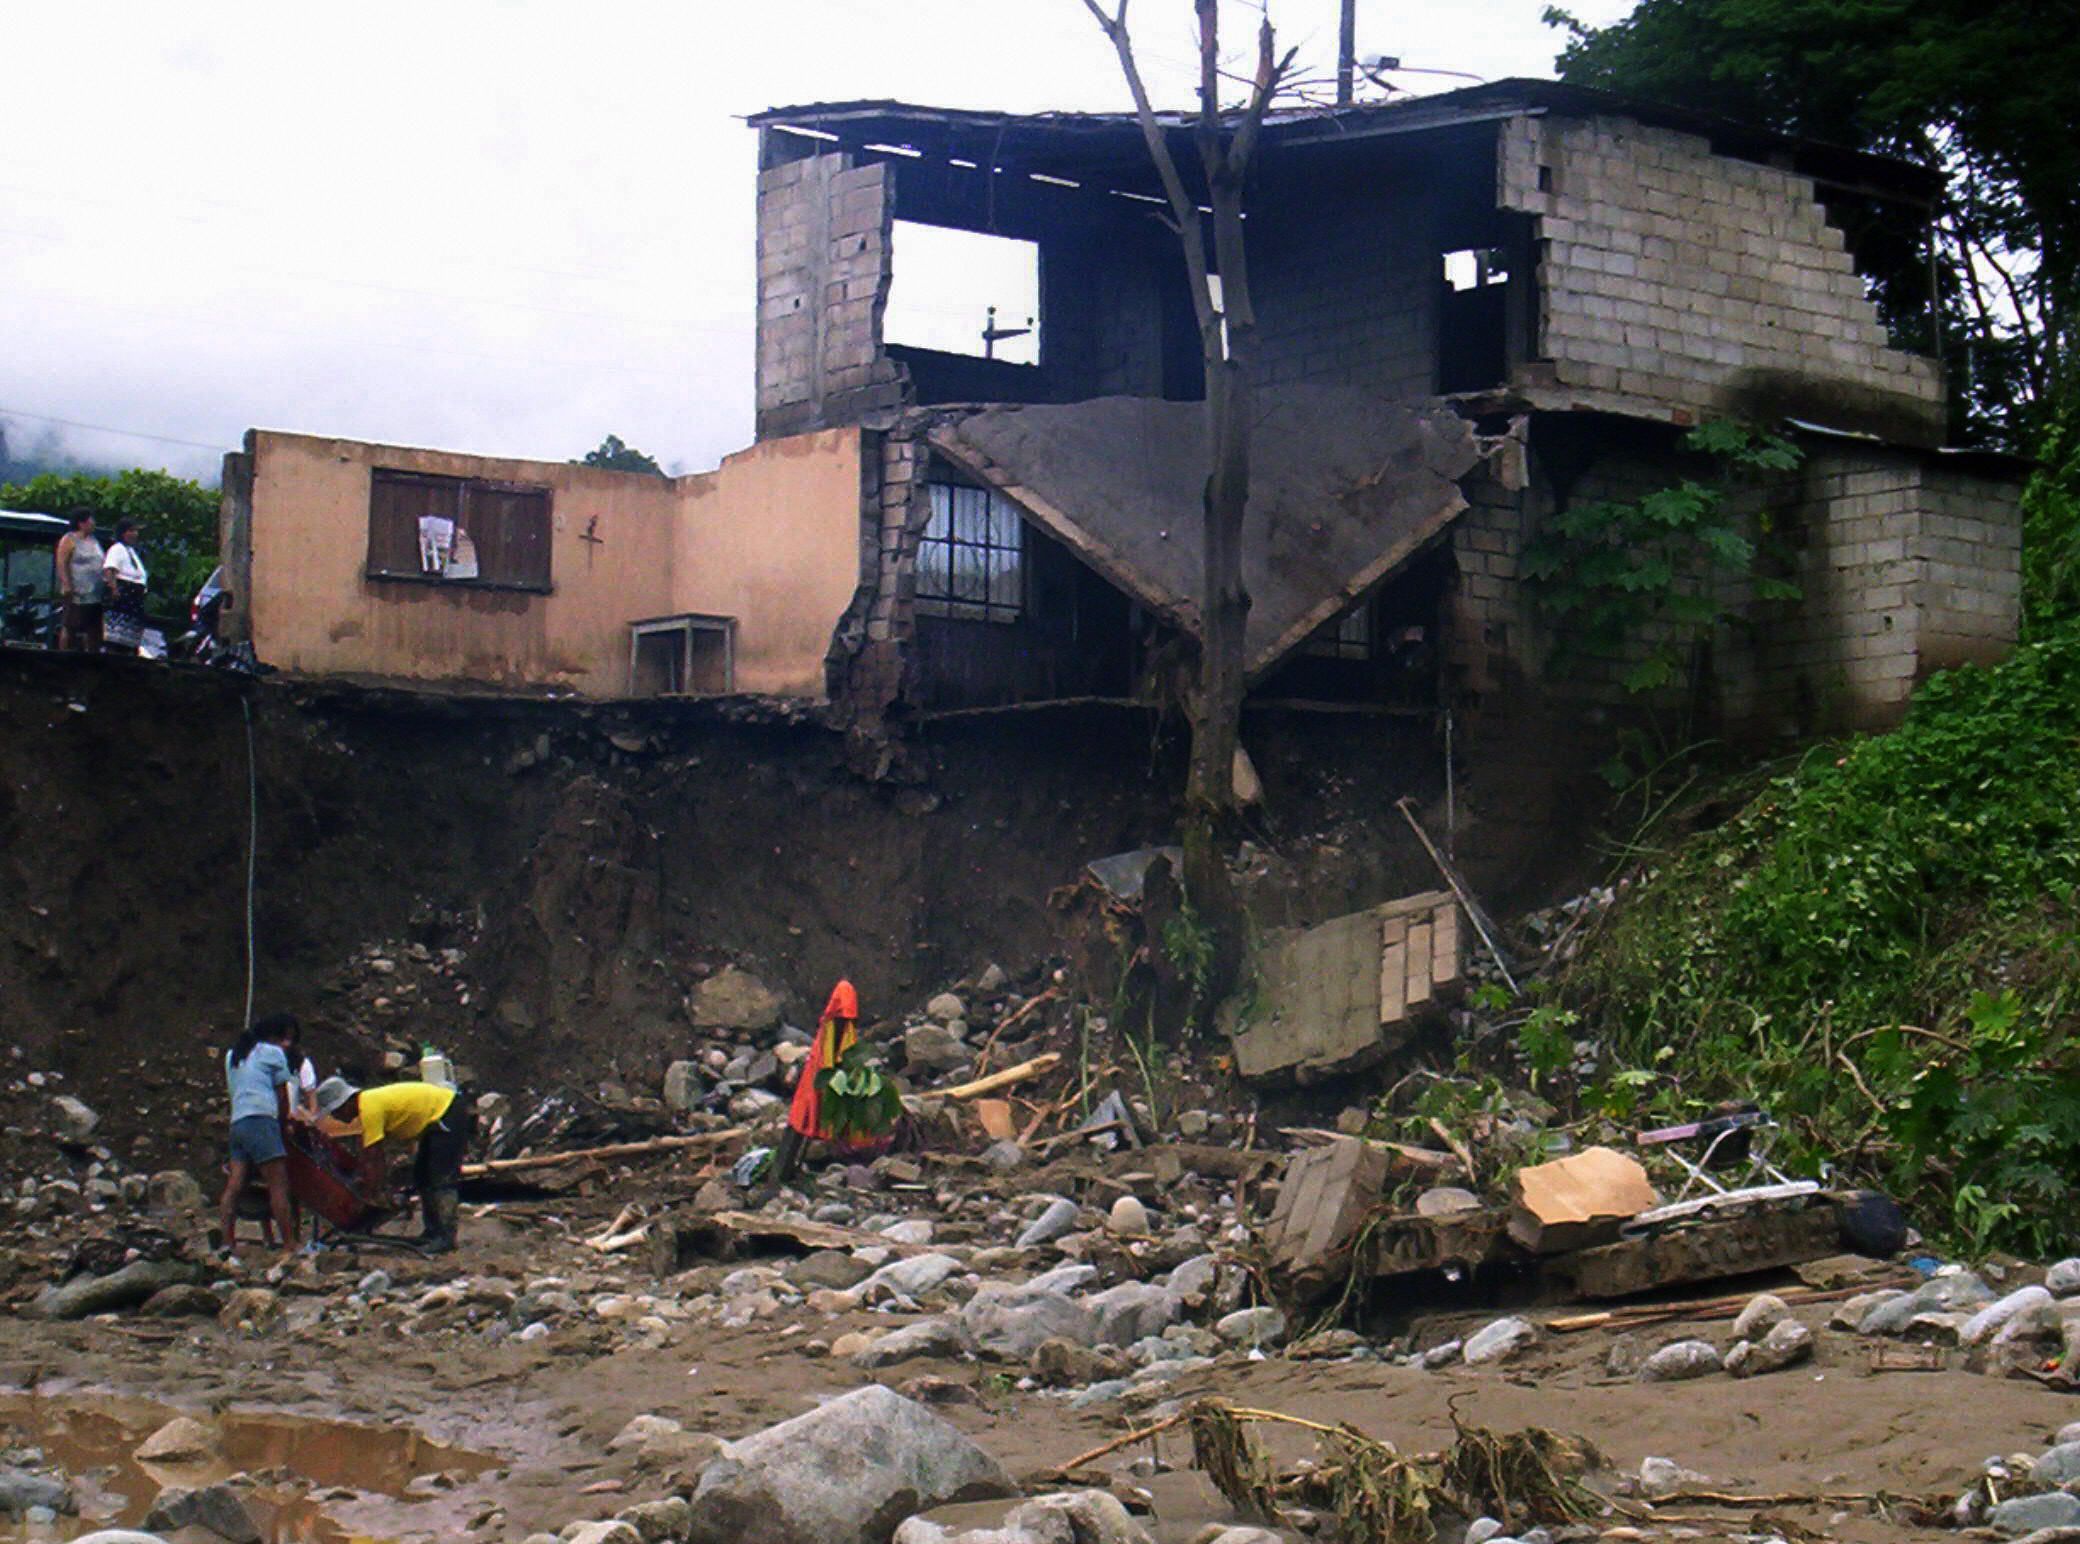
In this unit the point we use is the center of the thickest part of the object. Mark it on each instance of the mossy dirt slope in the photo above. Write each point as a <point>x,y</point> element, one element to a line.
<point>1881,946</point>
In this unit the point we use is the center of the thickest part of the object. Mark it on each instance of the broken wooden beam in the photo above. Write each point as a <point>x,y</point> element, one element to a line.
<point>613,1150</point>
<point>1037,1067</point>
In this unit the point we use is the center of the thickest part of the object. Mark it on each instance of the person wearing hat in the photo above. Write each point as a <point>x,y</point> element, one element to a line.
<point>427,1114</point>
<point>836,1033</point>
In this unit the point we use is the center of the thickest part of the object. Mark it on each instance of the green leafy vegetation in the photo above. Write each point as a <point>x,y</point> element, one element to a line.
<point>1883,945</point>
<point>179,520</point>
<point>857,1101</point>
<point>1615,574</point>
<point>615,456</point>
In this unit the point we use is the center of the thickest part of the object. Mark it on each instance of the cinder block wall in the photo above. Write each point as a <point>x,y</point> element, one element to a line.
<point>1676,278</point>
<point>1350,296</point>
<point>824,238</point>
<point>1905,566</point>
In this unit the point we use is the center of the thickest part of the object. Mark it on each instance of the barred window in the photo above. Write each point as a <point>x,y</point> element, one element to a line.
<point>971,559</point>
<point>1348,637</point>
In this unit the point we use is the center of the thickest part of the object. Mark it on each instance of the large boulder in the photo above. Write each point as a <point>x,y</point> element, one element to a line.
<point>1500,1341</point>
<point>124,1288</point>
<point>1010,1322</point>
<point>846,1473</point>
<point>733,999</point>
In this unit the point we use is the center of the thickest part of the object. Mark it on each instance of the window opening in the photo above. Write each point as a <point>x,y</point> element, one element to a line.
<point>963,292</point>
<point>1348,637</point>
<point>1476,267</point>
<point>456,530</point>
<point>971,559</point>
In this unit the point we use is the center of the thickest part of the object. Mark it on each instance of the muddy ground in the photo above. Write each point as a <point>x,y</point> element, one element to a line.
<point>538,1417</point>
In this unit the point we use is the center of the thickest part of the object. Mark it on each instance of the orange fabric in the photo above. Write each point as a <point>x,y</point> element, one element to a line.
<point>834,1037</point>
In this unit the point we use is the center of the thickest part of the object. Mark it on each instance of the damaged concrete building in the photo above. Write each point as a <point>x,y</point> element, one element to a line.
<point>1475,310</point>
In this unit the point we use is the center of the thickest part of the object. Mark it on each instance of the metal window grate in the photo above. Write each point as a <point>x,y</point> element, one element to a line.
<point>971,558</point>
<point>1348,637</point>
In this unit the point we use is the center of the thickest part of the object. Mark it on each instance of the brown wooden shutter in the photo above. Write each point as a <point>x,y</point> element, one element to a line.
<point>510,526</point>
<point>396,500</point>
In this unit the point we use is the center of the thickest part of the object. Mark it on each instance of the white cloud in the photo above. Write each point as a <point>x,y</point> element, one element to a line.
<point>504,227</point>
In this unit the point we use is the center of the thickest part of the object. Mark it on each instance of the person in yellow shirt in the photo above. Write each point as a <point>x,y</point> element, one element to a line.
<point>435,1118</point>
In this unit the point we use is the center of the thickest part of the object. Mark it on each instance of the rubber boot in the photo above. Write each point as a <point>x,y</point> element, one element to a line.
<point>442,1210</point>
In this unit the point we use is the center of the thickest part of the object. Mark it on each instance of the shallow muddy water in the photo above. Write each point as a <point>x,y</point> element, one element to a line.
<point>320,1482</point>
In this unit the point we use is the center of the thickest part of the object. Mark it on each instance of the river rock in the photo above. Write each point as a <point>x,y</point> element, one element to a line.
<point>2026,1514</point>
<point>1252,1327</point>
<point>187,1302</point>
<point>72,1120</point>
<point>1982,1325</point>
<point>2058,1466</point>
<point>1129,1218</point>
<point>1133,1310</point>
<point>20,1490</point>
<point>912,1277</point>
<point>1499,1341</point>
<point>832,1268</point>
<point>1787,1343</point>
<point>1684,1360</point>
<point>124,1288</point>
<point>118,1536</point>
<point>1763,1314</point>
<point>181,1440</point>
<point>1938,1294</point>
<point>939,1336</point>
<point>1059,1219</point>
<point>658,1522</point>
<point>845,1473</point>
<point>212,1508</point>
<point>683,1086</point>
<point>1090,1516</point>
<point>2063,1279</point>
<point>1010,1322</point>
<point>733,999</point>
<point>1851,1314</point>
<point>611,1531</point>
<point>173,1191</point>
<point>250,1308</point>
<point>933,1048</point>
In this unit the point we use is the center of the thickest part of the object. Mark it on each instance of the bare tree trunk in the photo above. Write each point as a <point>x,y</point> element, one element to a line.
<point>1226,334</point>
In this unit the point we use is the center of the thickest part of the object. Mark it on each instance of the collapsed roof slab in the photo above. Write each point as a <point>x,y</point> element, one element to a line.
<point>1345,488</point>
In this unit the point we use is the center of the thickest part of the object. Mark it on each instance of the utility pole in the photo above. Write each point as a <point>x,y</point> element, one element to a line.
<point>1347,56</point>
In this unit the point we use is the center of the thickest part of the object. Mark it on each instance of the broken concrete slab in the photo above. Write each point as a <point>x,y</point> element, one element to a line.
<point>1345,487</point>
<point>1318,1008</point>
<point>1323,1201</point>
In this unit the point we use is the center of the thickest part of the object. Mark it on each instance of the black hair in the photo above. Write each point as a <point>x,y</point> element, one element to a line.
<point>126,525</point>
<point>79,515</point>
<point>273,1026</point>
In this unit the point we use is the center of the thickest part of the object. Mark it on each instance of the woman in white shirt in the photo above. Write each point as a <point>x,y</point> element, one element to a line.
<point>123,627</point>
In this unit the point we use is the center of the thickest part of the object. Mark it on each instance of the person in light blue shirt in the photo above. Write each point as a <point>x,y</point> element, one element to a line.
<point>257,1072</point>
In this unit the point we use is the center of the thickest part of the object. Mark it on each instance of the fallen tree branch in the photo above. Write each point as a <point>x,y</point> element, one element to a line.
<point>1010,1075</point>
<point>615,1150</point>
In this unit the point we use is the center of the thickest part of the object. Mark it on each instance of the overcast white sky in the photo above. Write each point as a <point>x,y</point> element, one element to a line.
<point>502,227</point>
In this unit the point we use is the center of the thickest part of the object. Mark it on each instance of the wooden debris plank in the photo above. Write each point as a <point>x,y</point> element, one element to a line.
<point>1393,983</point>
<point>1444,954</point>
<point>1418,973</point>
<point>1413,907</point>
